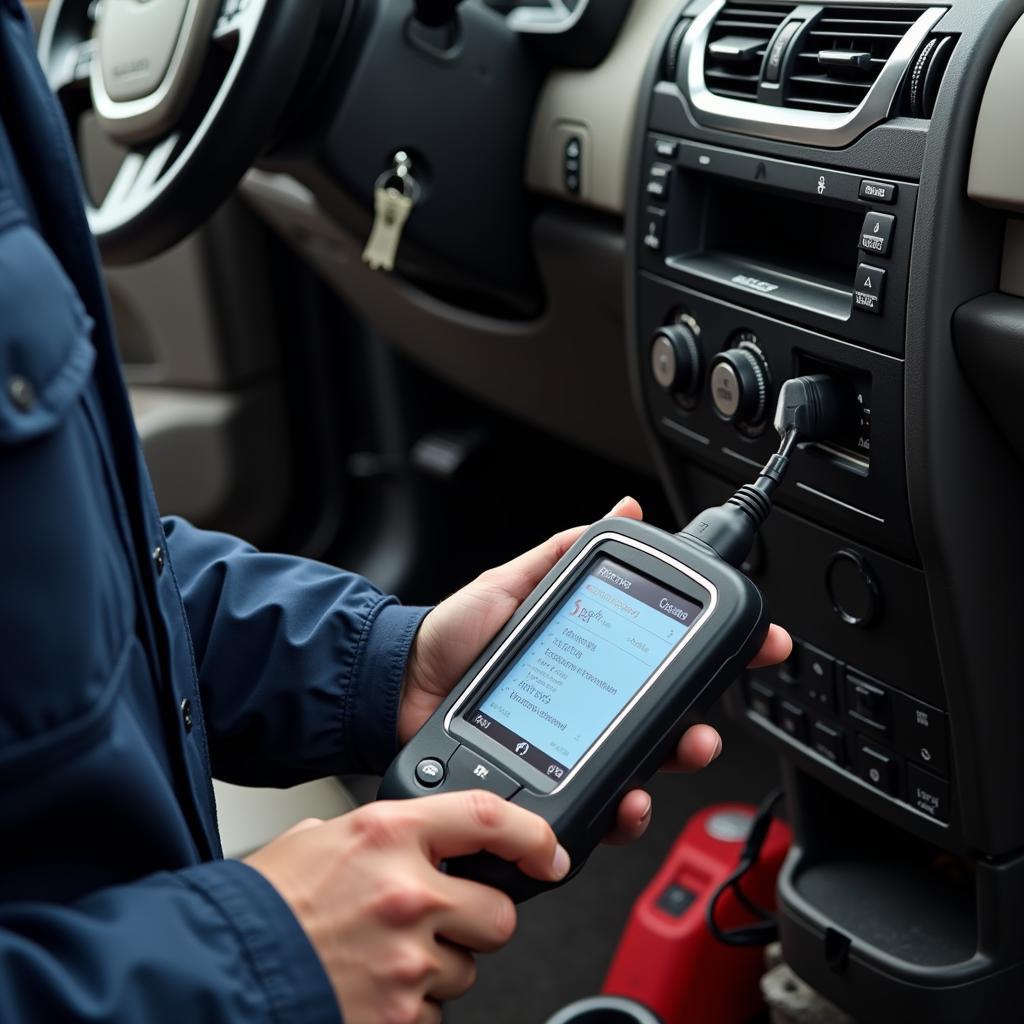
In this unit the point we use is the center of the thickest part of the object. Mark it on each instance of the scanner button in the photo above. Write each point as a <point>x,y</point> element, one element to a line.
<point>676,900</point>
<point>468,770</point>
<point>430,772</point>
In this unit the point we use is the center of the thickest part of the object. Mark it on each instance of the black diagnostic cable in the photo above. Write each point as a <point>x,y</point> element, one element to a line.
<point>810,408</point>
<point>765,929</point>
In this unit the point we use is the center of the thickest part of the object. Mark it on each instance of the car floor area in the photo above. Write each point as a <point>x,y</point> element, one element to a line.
<point>565,940</point>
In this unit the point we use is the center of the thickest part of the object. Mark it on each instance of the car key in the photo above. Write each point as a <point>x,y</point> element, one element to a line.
<point>394,197</point>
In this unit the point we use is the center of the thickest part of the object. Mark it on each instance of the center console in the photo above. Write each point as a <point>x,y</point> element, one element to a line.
<point>776,229</point>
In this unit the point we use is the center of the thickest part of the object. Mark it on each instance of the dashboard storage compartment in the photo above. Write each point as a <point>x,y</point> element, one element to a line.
<point>893,928</point>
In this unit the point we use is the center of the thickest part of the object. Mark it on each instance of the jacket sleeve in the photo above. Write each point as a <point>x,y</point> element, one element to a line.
<point>212,942</point>
<point>300,665</point>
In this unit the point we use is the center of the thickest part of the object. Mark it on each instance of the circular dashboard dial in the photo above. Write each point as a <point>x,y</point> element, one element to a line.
<point>675,357</point>
<point>739,383</point>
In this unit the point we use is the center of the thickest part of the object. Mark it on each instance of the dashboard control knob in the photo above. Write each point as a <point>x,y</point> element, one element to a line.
<point>675,358</point>
<point>739,385</point>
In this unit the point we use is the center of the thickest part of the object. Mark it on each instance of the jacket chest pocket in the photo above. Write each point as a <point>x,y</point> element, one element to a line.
<point>66,602</point>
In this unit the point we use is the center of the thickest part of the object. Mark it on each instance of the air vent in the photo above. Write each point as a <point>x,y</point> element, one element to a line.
<point>843,54</point>
<point>737,45</point>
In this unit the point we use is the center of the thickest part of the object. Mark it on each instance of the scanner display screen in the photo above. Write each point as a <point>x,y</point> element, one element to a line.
<point>585,663</point>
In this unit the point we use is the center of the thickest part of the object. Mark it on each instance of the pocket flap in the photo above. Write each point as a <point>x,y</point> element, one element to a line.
<point>46,355</point>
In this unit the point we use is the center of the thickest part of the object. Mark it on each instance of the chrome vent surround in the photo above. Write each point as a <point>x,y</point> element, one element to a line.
<point>737,44</point>
<point>841,72</point>
<point>843,53</point>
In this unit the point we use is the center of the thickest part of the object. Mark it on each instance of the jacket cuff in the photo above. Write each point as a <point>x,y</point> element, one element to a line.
<point>281,958</point>
<point>378,677</point>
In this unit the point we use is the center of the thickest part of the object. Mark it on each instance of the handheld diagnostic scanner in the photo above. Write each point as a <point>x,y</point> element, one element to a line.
<point>586,690</point>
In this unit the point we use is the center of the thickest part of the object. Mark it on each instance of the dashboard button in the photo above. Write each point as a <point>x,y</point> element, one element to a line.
<point>792,720</point>
<point>829,741</point>
<point>868,289</point>
<point>818,678</point>
<point>658,179</point>
<point>921,733</point>
<point>654,235</point>
<point>878,191</point>
<point>878,768</point>
<point>572,164</point>
<point>468,770</point>
<point>430,772</point>
<point>876,234</point>
<point>867,701</point>
<point>928,793</point>
<point>761,699</point>
<point>666,148</point>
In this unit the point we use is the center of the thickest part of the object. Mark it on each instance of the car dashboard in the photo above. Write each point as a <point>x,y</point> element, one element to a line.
<point>650,237</point>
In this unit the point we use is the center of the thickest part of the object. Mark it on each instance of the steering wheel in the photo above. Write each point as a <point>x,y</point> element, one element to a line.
<point>191,91</point>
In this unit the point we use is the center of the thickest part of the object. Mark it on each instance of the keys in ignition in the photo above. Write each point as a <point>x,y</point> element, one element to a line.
<point>394,196</point>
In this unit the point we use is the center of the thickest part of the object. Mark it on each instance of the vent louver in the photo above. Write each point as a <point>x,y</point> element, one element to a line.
<point>737,44</point>
<point>843,53</point>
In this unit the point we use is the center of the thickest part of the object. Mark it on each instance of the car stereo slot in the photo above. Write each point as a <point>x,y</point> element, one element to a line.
<point>768,281</point>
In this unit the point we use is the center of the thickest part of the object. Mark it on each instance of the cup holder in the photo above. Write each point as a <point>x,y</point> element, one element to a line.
<point>604,1010</point>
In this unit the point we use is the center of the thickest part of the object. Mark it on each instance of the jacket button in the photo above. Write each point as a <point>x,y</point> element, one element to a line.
<point>158,559</point>
<point>21,393</point>
<point>186,714</point>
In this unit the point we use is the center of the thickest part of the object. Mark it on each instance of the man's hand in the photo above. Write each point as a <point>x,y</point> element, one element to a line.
<point>396,935</point>
<point>457,630</point>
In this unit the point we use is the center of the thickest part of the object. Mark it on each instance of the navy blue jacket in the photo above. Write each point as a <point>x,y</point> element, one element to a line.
<point>138,656</point>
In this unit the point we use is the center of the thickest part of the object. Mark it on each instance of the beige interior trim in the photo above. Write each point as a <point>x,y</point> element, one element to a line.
<point>997,162</point>
<point>599,105</point>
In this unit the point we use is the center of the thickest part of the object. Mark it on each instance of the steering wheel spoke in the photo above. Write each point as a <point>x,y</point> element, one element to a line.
<point>237,20</point>
<point>136,180</point>
<point>182,118</point>
<point>74,67</point>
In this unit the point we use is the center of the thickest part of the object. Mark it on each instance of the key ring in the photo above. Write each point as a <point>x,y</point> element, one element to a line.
<point>402,171</point>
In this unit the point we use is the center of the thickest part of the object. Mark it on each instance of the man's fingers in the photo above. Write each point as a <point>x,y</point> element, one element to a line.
<point>632,819</point>
<point>697,748</point>
<point>777,647</point>
<point>303,826</point>
<point>456,973</point>
<point>481,918</point>
<point>457,824</point>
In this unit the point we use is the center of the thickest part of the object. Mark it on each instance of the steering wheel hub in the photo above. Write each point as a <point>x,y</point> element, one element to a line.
<point>148,56</point>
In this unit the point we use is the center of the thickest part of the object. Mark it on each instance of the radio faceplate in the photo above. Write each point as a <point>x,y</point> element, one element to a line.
<point>826,249</point>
